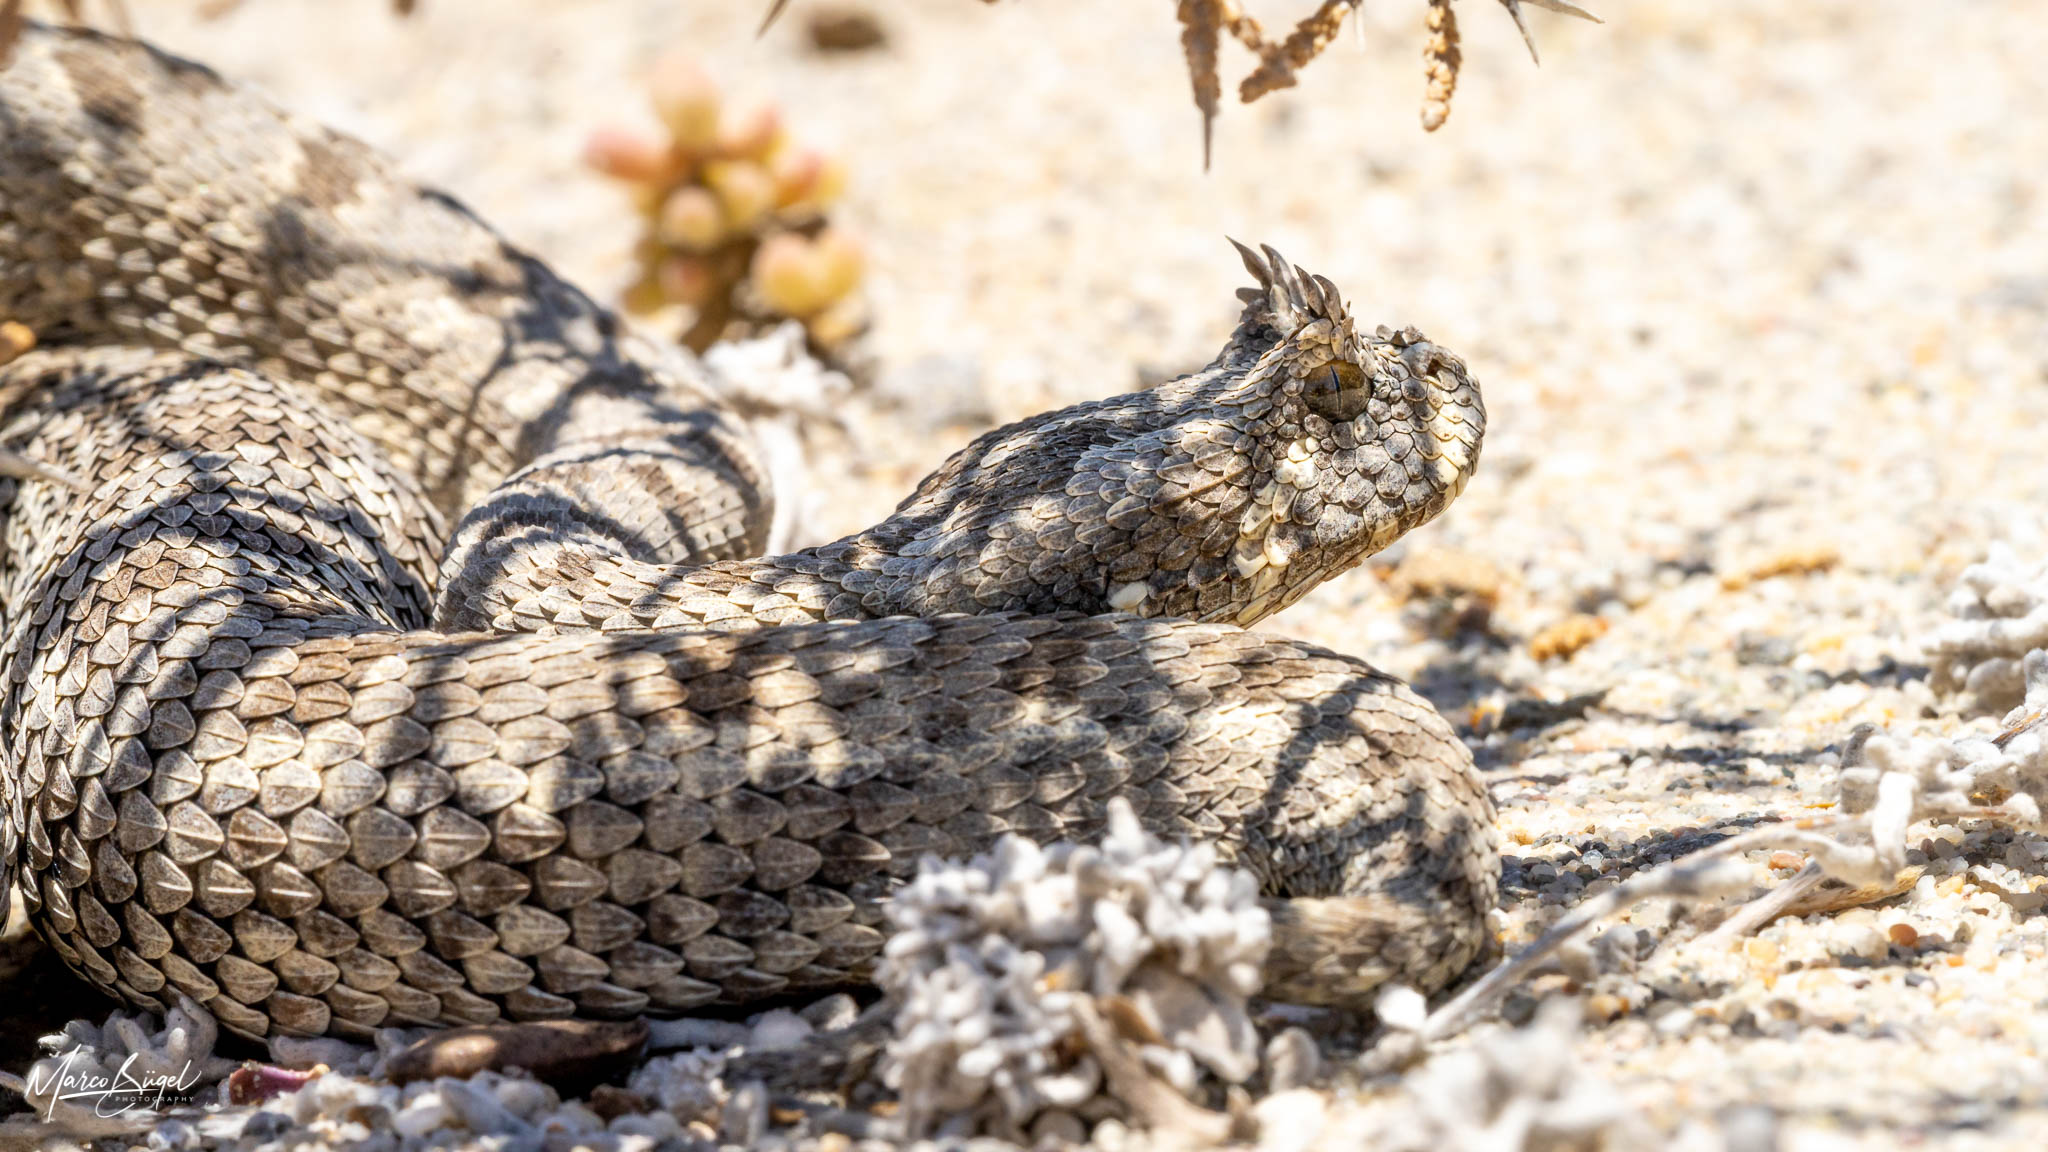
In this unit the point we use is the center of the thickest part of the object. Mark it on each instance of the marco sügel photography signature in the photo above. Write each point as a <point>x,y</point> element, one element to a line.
<point>112,1094</point>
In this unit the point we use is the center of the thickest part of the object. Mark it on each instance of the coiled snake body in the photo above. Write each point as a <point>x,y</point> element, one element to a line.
<point>401,662</point>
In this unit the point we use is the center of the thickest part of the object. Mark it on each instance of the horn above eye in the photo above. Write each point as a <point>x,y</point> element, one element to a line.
<point>1336,390</point>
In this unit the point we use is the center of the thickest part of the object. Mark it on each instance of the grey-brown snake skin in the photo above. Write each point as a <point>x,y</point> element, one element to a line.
<point>400,660</point>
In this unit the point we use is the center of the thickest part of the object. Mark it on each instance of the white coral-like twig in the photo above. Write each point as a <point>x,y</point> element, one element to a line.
<point>1013,971</point>
<point>1998,613</point>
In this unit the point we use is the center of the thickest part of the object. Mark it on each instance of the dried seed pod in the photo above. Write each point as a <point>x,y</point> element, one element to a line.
<point>1441,60</point>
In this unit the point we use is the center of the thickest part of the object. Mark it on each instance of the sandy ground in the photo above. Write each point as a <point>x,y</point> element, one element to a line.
<point>1759,297</point>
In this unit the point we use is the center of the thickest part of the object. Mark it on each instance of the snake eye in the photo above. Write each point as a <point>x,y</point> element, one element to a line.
<point>1337,391</point>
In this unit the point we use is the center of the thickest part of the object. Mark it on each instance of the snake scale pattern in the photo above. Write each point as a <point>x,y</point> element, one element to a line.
<point>401,657</point>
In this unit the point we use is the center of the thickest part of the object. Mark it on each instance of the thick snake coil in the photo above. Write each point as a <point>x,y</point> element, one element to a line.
<point>399,662</point>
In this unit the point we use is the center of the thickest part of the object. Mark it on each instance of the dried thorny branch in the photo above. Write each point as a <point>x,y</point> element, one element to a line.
<point>1203,24</point>
<point>1204,21</point>
<point>1278,62</point>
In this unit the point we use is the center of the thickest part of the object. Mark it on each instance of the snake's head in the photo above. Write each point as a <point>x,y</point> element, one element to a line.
<point>1341,440</point>
<point>1306,446</point>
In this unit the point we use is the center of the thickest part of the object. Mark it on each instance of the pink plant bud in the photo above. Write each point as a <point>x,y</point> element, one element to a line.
<point>831,183</point>
<point>838,323</point>
<point>692,219</point>
<point>745,192</point>
<point>839,259</point>
<point>626,155</point>
<point>751,134</point>
<point>686,99</point>
<point>796,173</point>
<point>785,273</point>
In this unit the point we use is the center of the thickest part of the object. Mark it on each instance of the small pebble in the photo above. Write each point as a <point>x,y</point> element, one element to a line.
<point>1859,940</point>
<point>745,1117</point>
<point>831,1013</point>
<point>1292,1060</point>
<point>1601,1007</point>
<point>1056,1128</point>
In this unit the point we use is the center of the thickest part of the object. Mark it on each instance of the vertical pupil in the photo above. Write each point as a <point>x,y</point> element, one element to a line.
<point>1337,391</point>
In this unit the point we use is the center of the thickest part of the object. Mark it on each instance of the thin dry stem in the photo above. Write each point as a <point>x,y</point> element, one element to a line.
<point>1766,908</point>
